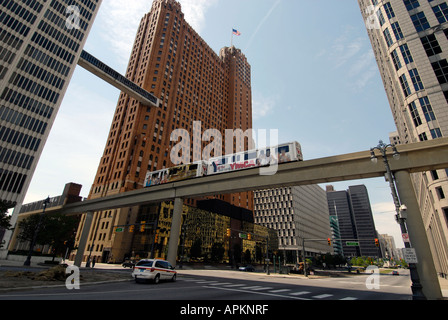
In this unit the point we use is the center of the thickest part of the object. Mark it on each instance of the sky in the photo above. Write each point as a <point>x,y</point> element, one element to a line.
<point>314,78</point>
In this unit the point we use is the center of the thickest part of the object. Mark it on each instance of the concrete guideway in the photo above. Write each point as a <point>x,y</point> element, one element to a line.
<point>417,157</point>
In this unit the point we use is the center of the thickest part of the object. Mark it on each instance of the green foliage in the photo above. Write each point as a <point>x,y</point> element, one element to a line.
<point>56,230</point>
<point>4,217</point>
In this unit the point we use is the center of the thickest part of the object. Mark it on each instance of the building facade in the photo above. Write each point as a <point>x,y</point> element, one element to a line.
<point>197,90</point>
<point>409,39</point>
<point>355,218</point>
<point>296,213</point>
<point>40,43</point>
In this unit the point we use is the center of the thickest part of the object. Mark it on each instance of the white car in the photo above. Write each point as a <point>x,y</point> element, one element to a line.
<point>154,269</point>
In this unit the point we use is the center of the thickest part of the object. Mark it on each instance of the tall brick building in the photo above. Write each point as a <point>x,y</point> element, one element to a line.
<point>195,86</point>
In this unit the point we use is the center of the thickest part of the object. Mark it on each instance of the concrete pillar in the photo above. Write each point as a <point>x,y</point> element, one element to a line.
<point>83,241</point>
<point>418,237</point>
<point>175,231</point>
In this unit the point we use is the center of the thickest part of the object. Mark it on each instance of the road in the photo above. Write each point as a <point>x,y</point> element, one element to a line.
<point>207,285</point>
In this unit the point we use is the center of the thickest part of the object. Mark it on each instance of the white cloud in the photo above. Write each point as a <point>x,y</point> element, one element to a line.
<point>355,55</point>
<point>119,20</point>
<point>262,106</point>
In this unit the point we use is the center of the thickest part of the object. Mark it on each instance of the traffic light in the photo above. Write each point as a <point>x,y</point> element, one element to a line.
<point>228,232</point>
<point>377,243</point>
<point>156,238</point>
<point>249,236</point>
<point>142,226</point>
<point>329,241</point>
<point>131,228</point>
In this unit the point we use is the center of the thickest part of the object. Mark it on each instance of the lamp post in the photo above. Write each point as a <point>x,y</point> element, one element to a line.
<point>36,232</point>
<point>400,217</point>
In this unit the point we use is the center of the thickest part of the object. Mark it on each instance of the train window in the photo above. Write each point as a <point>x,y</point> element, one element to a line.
<point>193,167</point>
<point>284,148</point>
<point>250,156</point>
<point>223,160</point>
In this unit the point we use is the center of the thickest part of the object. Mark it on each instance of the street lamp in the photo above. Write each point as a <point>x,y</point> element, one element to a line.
<point>36,232</point>
<point>400,217</point>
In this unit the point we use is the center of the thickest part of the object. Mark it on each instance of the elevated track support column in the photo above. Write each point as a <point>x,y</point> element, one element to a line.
<point>175,231</point>
<point>83,240</point>
<point>417,234</point>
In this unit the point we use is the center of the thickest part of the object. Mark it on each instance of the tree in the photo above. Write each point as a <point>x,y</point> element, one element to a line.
<point>4,217</point>
<point>196,249</point>
<point>56,230</point>
<point>217,252</point>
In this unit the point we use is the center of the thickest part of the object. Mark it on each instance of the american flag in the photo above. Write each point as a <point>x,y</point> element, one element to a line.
<point>236,32</point>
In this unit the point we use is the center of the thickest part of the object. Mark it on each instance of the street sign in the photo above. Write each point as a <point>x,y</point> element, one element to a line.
<point>120,229</point>
<point>243,235</point>
<point>409,255</point>
<point>352,244</point>
<point>405,237</point>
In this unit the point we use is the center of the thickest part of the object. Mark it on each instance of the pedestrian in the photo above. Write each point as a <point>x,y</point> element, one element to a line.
<point>93,262</point>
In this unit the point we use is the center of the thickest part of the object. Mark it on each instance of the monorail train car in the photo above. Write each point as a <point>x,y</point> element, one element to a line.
<point>182,172</point>
<point>287,152</point>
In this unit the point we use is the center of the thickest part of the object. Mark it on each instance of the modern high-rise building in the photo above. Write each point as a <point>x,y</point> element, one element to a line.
<point>40,44</point>
<point>197,90</point>
<point>410,42</point>
<point>355,218</point>
<point>296,213</point>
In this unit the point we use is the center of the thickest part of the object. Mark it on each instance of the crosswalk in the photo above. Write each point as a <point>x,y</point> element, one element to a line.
<point>259,289</point>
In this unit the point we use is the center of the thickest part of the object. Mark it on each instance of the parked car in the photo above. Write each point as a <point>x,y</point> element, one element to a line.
<point>154,270</point>
<point>395,273</point>
<point>248,268</point>
<point>128,264</point>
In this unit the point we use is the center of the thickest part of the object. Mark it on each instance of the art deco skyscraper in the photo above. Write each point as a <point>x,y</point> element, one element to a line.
<point>410,42</point>
<point>40,43</point>
<point>197,90</point>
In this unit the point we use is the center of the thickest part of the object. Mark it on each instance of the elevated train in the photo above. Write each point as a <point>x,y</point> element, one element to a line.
<point>287,152</point>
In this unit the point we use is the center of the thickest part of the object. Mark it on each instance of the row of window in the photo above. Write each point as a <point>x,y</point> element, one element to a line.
<point>19,139</point>
<point>16,158</point>
<point>11,181</point>
<point>47,60</point>
<point>39,73</point>
<point>34,88</point>
<point>22,120</point>
<point>27,103</point>
<point>19,11</point>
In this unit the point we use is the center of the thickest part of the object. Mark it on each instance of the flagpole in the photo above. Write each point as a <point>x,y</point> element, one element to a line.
<point>231,40</point>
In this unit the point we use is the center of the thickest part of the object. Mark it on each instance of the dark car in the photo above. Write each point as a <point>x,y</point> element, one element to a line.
<point>395,273</point>
<point>128,264</point>
<point>248,268</point>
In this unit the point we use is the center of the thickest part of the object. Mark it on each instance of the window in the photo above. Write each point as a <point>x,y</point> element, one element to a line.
<point>431,45</point>
<point>405,85</point>
<point>389,11</point>
<point>416,80</point>
<point>441,12</point>
<point>436,133</point>
<point>427,109</point>
<point>406,53</point>
<point>441,70</point>
<point>440,193</point>
<point>411,4</point>
<point>420,21</point>
<point>388,37</point>
<point>397,31</point>
<point>396,60</point>
<point>414,114</point>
